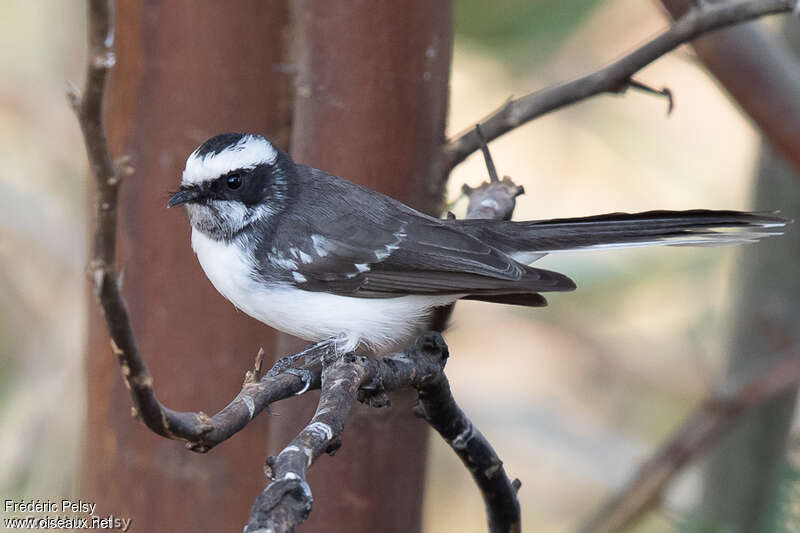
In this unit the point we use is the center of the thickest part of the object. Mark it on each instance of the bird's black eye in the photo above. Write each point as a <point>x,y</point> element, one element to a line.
<point>233,181</point>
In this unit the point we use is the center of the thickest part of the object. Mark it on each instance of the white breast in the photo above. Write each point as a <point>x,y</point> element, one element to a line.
<point>376,322</point>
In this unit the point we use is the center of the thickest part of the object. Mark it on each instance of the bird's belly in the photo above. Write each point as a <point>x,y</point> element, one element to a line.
<point>378,323</point>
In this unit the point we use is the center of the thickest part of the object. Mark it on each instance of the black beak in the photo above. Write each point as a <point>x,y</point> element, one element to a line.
<point>184,196</point>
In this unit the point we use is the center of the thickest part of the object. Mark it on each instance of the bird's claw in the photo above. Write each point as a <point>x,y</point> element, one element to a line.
<point>304,375</point>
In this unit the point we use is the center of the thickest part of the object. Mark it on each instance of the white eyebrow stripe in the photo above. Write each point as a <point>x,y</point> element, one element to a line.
<point>249,152</point>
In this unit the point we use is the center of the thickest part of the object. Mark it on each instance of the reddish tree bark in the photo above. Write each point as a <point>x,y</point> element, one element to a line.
<point>371,102</point>
<point>185,71</point>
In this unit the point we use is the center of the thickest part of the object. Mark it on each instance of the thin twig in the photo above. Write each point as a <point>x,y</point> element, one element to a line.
<point>614,77</point>
<point>704,427</point>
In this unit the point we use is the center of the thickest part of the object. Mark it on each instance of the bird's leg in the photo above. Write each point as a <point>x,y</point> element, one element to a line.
<point>311,355</point>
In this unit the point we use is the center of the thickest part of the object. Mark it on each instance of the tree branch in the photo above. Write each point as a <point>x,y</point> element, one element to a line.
<point>713,419</point>
<point>613,78</point>
<point>286,501</point>
<point>438,407</point>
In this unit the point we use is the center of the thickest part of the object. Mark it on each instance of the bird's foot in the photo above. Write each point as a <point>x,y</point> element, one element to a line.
<point>304,375</point>
<point>309,356</point>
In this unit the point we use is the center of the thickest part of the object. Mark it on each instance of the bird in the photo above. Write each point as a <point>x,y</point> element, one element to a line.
<point>343,266</point>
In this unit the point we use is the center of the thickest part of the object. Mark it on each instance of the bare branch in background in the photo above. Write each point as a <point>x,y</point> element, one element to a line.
<point>613,78</point>
<point>712,420</point>
<point>760,73</point>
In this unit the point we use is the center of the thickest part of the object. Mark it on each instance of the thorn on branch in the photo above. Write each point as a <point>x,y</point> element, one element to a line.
<point>664,91</point>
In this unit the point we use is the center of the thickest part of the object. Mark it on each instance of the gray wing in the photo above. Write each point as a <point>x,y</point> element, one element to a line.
<point>387,249</point>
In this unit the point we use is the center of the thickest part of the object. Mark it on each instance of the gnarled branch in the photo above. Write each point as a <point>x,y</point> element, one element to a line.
<point>287,499</point>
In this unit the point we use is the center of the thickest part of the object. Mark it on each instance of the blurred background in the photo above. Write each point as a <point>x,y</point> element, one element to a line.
<point>573,396</point>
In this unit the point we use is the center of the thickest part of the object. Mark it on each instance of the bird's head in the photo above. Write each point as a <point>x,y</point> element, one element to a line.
<point>231,181</point>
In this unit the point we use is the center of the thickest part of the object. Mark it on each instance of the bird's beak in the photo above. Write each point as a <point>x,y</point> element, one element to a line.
<point>184,196</point>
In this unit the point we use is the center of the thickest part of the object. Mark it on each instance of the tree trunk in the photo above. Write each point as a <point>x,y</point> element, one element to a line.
<point>370,105</point>
<point>185,70</point>
<point>742,474</point>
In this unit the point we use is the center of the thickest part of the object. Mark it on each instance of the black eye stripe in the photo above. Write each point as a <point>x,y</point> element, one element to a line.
<point>246,185</point>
